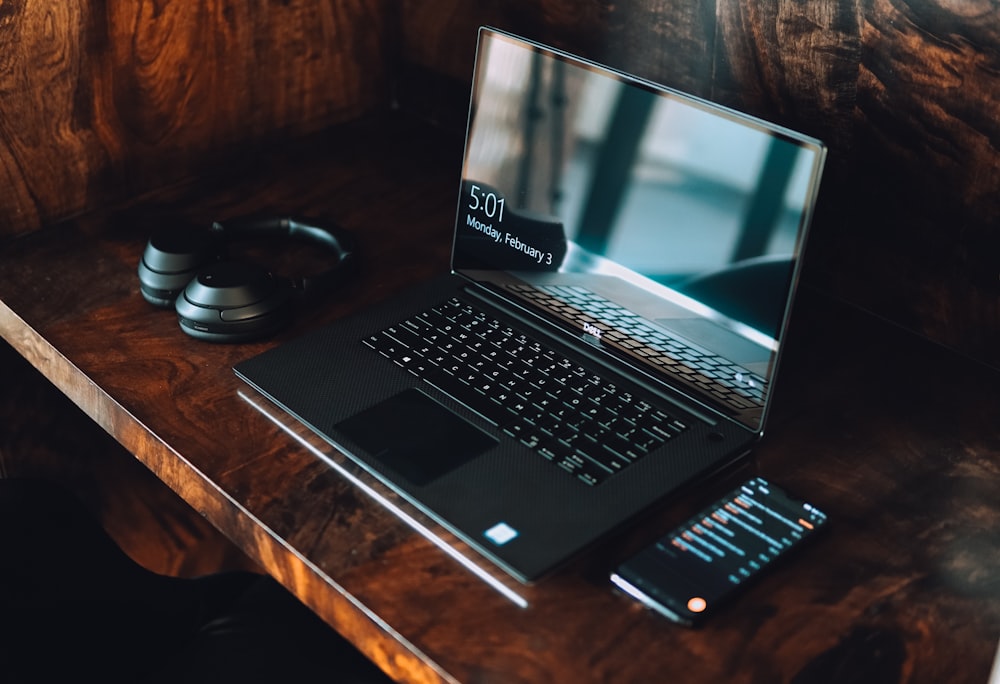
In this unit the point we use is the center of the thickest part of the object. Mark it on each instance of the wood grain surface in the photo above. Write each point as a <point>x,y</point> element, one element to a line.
<point>44,436</point>
<point>103,100</point>
<point>895,437</point>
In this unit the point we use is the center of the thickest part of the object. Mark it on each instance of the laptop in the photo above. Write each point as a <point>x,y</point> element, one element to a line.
<point>623,264</point>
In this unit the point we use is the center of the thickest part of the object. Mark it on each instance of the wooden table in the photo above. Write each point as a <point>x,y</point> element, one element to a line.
<point>897,439</point>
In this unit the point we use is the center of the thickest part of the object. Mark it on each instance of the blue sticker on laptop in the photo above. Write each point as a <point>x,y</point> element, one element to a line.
<point>501,533</point>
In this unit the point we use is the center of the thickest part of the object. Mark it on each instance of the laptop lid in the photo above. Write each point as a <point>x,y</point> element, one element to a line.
<point>660,228</point>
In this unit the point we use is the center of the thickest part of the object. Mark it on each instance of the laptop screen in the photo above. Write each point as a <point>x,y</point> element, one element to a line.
<point>664,230</point>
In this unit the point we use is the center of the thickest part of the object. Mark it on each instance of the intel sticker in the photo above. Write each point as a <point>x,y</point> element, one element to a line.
<point>501,533</point>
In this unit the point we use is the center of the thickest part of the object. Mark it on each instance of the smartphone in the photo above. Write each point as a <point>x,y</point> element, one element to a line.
<point>688,573</point>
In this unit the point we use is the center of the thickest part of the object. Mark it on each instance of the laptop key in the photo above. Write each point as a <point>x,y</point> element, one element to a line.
<point>586,471</point>
<point>465,394</point>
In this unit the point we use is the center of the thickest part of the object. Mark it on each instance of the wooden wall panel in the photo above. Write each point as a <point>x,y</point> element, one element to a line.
<point>905,92</point>
<point>101,99</point>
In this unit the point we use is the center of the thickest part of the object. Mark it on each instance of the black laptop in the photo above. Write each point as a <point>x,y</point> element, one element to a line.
<point>623,265</point>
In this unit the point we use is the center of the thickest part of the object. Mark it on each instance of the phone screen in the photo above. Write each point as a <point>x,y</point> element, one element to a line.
<point>695,568</point>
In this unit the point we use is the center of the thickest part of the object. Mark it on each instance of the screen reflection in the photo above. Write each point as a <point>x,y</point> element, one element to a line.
<point>660,227</point>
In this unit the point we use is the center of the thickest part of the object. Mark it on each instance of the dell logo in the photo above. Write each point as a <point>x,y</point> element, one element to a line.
<point>592,329</point>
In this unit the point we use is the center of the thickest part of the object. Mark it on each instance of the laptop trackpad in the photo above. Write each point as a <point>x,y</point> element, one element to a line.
<point>416,436</point>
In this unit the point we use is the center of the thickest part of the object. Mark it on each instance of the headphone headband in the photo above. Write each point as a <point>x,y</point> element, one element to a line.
<point>333,239</point>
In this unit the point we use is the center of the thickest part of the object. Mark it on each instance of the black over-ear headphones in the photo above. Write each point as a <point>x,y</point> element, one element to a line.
<point>221,300</point>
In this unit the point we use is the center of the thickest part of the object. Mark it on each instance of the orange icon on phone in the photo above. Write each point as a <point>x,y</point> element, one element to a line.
<point>697,604</point>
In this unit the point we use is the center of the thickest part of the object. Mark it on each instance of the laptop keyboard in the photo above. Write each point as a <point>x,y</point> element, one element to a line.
<point>569,415</point>
<point>635,336</point>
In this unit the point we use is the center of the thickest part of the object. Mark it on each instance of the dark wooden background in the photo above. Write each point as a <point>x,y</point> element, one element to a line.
<point>102,100</point>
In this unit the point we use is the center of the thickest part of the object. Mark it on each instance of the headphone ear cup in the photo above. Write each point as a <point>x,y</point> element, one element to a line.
<point>169,262</point>
<point>233,302</point>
